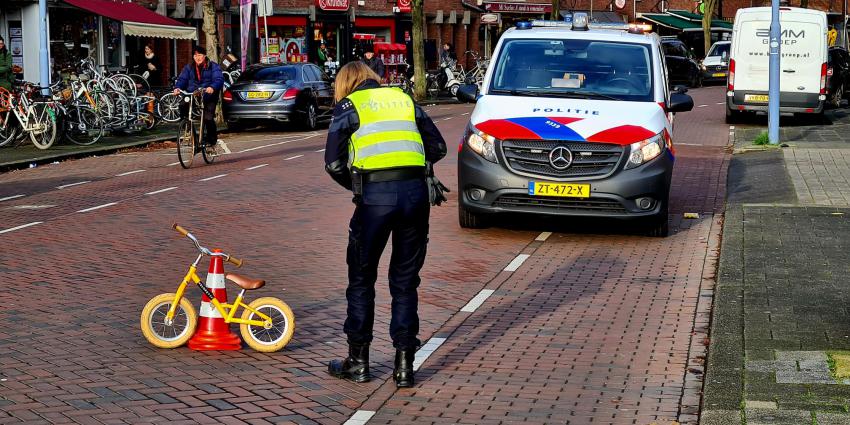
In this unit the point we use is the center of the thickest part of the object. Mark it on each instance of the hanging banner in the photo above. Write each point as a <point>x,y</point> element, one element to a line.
<point>404,6</point>
<point>245,26</point>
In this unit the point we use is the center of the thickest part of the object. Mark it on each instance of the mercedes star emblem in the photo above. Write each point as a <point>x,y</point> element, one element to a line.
<point>560,158</point>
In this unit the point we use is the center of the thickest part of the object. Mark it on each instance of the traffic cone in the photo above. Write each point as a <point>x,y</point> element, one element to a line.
<point>213,333</point>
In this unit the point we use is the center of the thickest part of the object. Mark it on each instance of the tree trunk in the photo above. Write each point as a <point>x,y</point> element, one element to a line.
<point>707,16</point>
<point>556,10</point>
<point>211,35</point>
<point>418,50</point>
<point>804,4</point>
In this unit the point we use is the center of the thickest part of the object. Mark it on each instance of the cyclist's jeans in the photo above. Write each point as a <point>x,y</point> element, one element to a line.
<point>210,130</point>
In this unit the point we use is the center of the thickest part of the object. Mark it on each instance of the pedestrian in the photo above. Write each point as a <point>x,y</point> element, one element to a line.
<point>388,141</point>
<point>447,55</point>
<point>6,75</point>
<point>323,55</point>
<point>151,68</point>
<point>374,63</point>
<point>202,73</point>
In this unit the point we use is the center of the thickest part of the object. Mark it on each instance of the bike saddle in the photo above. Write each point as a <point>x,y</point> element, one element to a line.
<point>245,282</point>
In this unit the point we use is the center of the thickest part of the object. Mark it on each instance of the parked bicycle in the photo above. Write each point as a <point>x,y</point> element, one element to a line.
<point>169,320</point>
<point>22,112</point>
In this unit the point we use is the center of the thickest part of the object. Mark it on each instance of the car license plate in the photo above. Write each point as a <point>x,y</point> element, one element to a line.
<point>719,74</point>
<point>567,190</point>
<point>259,94</point>
<point>760,98</point>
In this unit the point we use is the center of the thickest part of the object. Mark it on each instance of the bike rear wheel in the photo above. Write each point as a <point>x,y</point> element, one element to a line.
<point>186,143</point>
<point>278,331</point>
<point>83,126</point>
<point>210,153</point>
<point>44,132</point>
<point>162,333</point>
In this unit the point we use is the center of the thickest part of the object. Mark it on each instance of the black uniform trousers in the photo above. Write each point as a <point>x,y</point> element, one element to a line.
<point>401,209</point>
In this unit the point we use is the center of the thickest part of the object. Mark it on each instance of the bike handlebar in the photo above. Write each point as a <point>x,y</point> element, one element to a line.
<point>227,257</point>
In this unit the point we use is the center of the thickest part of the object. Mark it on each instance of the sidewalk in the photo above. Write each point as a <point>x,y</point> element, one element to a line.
<point>23,156</point>
<point>781,298</point>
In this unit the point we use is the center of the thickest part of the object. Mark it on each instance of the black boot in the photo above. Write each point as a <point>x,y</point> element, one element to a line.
<point>403,372</point>
<point>355,367</point>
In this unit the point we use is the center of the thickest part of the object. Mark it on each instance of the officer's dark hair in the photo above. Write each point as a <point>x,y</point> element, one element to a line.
<point>350,76</point>
<point>199,49</point>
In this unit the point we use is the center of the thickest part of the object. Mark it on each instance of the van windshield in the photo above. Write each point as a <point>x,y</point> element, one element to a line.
<point>719,50</point>
<point>574,68</point>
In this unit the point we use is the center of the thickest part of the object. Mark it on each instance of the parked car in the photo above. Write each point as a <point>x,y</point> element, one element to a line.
<point>838,75</point>
<point>715,66</point>
<point>802,85</point>
<point>682,67</point>
<point>293,92</point>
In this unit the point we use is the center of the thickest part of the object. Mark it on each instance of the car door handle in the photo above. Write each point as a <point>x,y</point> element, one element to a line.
<point>789,70</point>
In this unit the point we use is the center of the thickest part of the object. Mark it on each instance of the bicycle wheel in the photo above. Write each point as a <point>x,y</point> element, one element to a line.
<point>141,84</point>
<point>83,126</point>
<point>147,119</point>
<point>8,128</point>
<point>210,153</point>
<point>164,334</point>
<point>277,332</point>
<point>186,143</point>
<point>168,108</point>
<point>44,132</point>
<point>124,83</point>
<point>121,113</point>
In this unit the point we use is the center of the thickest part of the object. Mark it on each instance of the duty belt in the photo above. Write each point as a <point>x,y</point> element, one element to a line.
<point>406,173</point>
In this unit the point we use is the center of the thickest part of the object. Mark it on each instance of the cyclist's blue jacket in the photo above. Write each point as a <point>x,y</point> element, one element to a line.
<point>194,77</point>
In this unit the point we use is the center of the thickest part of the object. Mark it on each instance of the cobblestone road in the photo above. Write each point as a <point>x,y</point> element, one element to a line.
<point>593,325</point>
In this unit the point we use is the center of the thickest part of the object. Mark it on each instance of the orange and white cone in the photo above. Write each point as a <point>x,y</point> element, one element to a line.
<point>213,333</point>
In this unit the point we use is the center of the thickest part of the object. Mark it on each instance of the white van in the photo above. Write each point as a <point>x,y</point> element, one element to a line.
<point>803,62</point>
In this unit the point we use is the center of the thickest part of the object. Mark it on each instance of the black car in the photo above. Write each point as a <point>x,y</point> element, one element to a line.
<point>300,93</point>
<point>838,75</point>
<point>682,66</point>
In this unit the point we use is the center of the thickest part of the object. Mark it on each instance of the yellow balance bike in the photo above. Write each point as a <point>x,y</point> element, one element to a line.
<point>169,320</point>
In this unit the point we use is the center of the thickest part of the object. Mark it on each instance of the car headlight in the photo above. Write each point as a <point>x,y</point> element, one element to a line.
<point>645,150</point>
<point>702,66</point>
<point>482,143</point>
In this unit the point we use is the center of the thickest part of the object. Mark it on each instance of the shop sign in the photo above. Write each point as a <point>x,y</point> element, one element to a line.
<point>491,19</point>
<point>16,46</point>
<point>332,4</point>
<point>404,6</point>
<point>518,7</point>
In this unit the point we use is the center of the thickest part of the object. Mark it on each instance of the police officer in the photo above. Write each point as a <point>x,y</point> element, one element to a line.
<point>378,144</point>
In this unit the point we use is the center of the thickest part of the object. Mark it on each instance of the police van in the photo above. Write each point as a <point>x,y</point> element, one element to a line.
<point>571,120</point>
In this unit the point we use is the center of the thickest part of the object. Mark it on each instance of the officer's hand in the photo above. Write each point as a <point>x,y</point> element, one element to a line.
<point>176,92</point>
<point>209,90</point>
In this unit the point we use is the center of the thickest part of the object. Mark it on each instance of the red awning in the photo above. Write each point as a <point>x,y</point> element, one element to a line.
<point>284,21</point>
<point>137,20</point>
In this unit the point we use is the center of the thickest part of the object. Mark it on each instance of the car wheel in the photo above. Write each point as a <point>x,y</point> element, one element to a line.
<point>469,220</point>
<point>659,225</point>
<point>453,89</point>
<point>311,118</point>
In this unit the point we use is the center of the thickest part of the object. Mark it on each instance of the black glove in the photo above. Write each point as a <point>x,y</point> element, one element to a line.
<point>436,189</point>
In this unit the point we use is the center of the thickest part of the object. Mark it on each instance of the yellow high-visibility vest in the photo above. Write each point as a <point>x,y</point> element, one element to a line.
<point>387,137</point>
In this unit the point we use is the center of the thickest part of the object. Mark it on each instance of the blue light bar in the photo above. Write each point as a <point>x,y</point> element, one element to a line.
<point>562,24</point>
<point>523,25</point>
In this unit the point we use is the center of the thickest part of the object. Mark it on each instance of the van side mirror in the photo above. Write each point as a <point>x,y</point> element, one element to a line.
<point>467,93</point>
<point>680,102</point>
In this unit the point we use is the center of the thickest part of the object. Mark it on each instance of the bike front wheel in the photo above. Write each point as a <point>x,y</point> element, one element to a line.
<point>43,133</point>
<point>168,334</point>
<point>186,144</point>
<point>276,333</point>
<point>83,126</point>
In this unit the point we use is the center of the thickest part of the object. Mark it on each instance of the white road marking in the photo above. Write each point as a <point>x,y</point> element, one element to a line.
<point>731,127</point>
<point>255,167</point>
<point>702,106</point>
<point>130,172</point>
<point>543,236</point>
<point>23,226</point>
<point>161,190</point>
<point>476,302</point>
<point>73,184</point>
<point>173,163</point>
<point>293,157</point>
<point>32,207</point>
<point>212,178</point>
<point>719,103</point>
<point>516,262</point>
<point>360,417</point>
<point>276,144</point>
<point>465,113</point>
<point>97,207</point>
<point>320,150</point>
<point>225,150</point>
<point>446,119</point>
<point>429,348</point>
<point>8,198</point>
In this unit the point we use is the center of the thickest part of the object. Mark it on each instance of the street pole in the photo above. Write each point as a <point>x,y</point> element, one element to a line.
<point>773,84</point>
<point>43,59</point>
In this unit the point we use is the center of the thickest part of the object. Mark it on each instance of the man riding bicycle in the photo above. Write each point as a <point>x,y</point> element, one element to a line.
<point>202,73</point>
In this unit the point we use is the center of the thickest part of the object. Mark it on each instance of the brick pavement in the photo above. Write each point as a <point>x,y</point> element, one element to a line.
<point>71,350</point>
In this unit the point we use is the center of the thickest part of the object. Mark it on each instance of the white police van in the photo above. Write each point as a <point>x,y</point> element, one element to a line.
<point>571,120</point>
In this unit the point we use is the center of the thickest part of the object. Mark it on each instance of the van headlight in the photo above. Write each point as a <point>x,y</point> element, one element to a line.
<point>481,143</point>
<point>645,151</point>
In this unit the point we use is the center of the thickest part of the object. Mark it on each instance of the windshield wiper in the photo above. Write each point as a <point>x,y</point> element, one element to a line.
<point>567,94</point>
<point>515,92</point>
